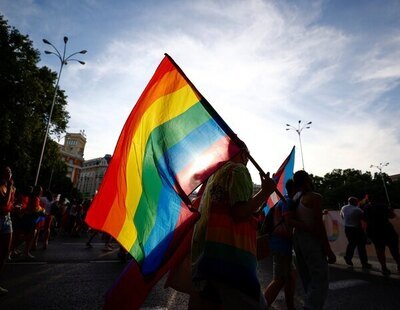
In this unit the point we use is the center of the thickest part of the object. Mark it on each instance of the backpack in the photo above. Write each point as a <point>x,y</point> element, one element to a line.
<point>268,226</point>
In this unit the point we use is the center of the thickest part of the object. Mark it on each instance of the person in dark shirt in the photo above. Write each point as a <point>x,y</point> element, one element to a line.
<point>381,231</point>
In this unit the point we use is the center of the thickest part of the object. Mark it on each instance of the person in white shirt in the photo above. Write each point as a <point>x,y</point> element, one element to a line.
<point>355,234</point>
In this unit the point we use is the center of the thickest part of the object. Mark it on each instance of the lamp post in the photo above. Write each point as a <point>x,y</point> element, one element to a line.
<point>63,61</point>
<point>299,129</point>
<point>380,167</point>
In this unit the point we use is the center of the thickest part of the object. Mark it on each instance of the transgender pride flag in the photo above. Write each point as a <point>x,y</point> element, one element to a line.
<point>284,173</point>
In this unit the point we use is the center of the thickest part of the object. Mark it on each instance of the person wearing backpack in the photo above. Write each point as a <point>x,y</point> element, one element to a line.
<point>281,246</point>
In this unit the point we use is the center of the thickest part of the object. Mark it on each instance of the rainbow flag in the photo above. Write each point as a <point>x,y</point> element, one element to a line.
<point>172,141</point>
<point>284,173</point>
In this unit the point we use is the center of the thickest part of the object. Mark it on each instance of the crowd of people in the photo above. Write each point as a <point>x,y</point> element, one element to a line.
<point>31,216</point>
<point>224,253</point>
<point>224,244</point>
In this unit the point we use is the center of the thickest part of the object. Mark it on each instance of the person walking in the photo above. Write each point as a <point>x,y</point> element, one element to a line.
<point>311,245</point>
<point>281,247</point>
<point>7,193</point>
<point>352,216</point>
<point>32,214</point>
<point>382,232</point>
<point>224,258</point>
<point>46,201</point>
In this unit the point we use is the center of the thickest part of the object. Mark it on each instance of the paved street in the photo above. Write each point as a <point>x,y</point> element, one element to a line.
<point>71,276</point>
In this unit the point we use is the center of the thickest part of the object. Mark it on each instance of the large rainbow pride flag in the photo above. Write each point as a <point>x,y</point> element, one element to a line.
<point>172,141</point>
<point>281,176</point>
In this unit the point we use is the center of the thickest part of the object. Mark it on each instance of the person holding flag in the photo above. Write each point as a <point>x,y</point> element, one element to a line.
<point>224,241</point>
<point>171,143</point>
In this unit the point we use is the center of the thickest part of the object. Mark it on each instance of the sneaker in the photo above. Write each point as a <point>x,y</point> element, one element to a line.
<point>108,248</point>
<point>15,253</point>
<point>385,271</point>
<point>348,261</point>
<point>366,266</point>
<point>3,291</point>
<point>29,256</point>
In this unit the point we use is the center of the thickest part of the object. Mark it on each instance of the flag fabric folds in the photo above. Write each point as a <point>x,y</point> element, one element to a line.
<point>131,288</point>
<point>284,173</point>
<point>172,141</point>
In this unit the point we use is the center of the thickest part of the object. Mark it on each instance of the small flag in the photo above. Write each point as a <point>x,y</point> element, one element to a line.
<point>282,175</point>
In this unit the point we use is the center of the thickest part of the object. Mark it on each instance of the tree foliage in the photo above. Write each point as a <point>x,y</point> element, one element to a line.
<point>27,92</point>
<point>337,186</point>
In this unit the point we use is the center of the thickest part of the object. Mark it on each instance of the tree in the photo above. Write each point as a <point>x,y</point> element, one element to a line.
<point>337,186</point>
<point>26,93</point>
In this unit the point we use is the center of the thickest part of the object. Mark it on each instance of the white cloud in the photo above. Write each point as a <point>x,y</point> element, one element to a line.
<point>381,62</point>
<point>261,64</point>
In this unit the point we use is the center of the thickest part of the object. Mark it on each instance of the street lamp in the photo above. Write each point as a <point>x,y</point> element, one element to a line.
<point>299,129</point>
<point>380,167</point>
<point>63,61</point>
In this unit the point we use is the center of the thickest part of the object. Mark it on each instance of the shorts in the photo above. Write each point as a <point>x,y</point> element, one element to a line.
<point>386,236</point>
<point>282,265</point>
<point>5,224</point>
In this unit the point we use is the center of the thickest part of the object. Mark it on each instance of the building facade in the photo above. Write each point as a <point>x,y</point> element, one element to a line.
<point>72,153</point>
<point>395,177</point>
<point>92,174</point>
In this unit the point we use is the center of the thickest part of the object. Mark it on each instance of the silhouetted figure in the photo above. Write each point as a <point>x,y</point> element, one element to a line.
<point>31,216</point>
<point>355,234</point>
<point>281,247</point>
<point>313,251</point>
<point>7,192</point>
<point>381,231</point>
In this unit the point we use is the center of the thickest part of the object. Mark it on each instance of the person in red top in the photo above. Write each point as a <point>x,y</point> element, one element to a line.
<point>20,204</point>
<point>31,214</point>
<point>7,192</point>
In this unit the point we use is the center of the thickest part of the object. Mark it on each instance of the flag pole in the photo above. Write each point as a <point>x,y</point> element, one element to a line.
<point>220,120</point>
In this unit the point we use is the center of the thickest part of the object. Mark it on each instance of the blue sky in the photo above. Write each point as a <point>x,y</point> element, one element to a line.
<point>261,64</point>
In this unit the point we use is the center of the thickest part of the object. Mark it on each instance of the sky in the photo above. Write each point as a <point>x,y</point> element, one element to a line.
<point>261,65</point>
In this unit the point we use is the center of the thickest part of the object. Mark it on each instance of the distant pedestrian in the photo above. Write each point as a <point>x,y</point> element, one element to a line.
<point>354,231</point>
<point>46,202</point>
<point>382,232</point>
<point>19,210</point>
<point>7,192</point>
<point>312,248</point>
<point>107,239</point>
<point>65,209</point>
<point>33,213</point>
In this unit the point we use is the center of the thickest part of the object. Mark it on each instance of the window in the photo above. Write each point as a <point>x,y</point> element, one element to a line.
<point>72,142</point>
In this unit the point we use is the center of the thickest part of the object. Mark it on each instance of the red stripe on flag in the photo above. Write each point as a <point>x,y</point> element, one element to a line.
<point>131,288</point>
